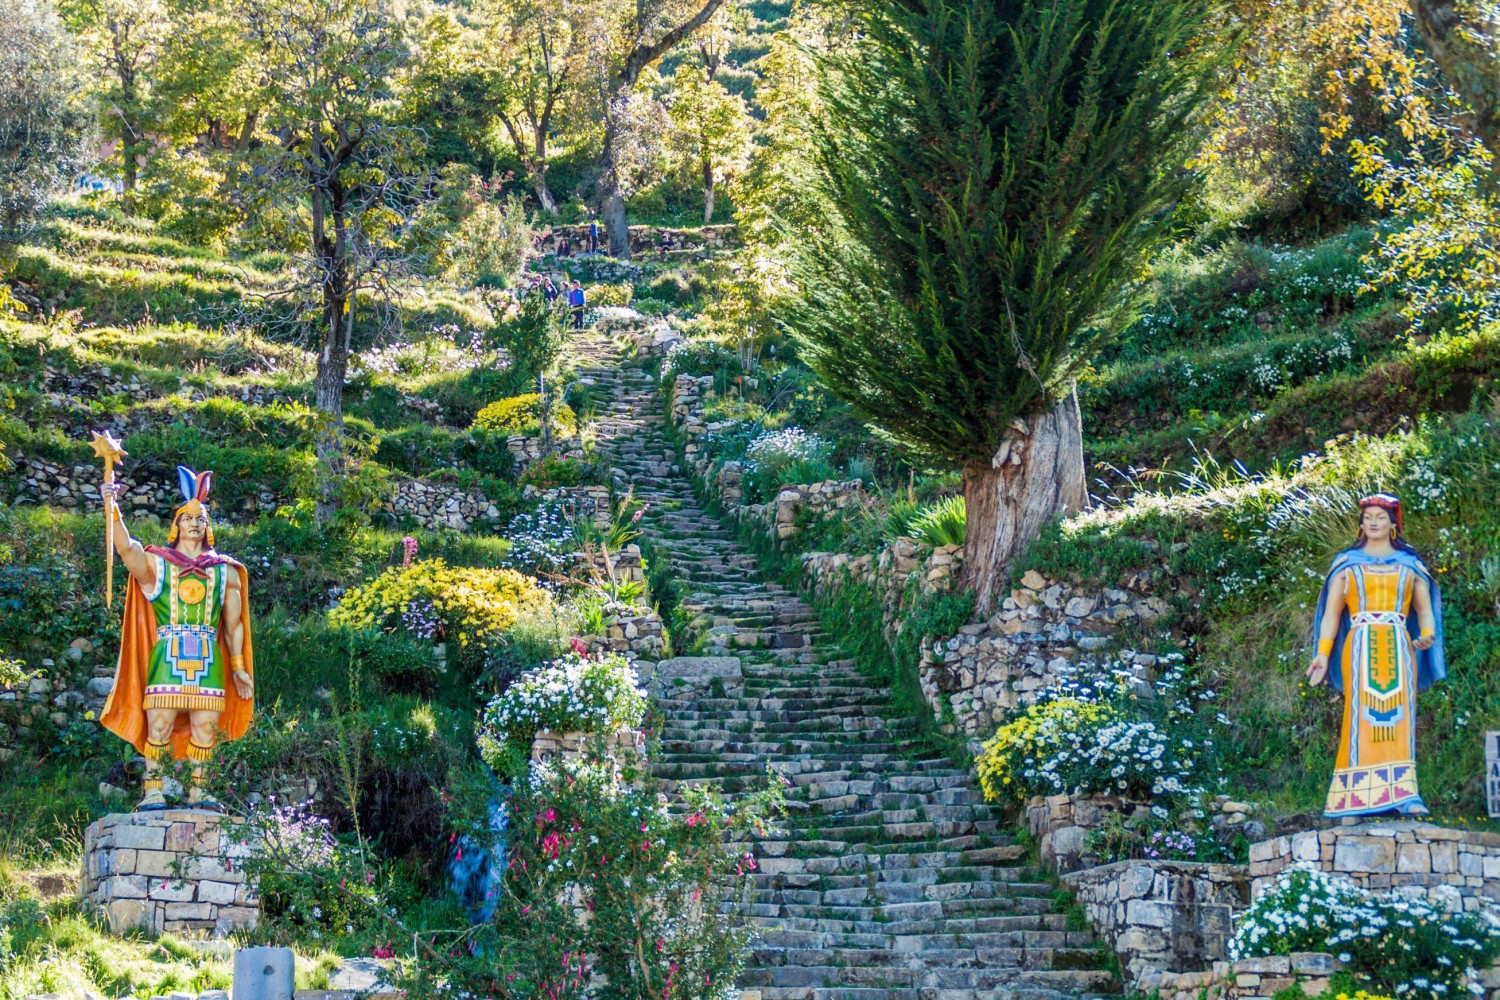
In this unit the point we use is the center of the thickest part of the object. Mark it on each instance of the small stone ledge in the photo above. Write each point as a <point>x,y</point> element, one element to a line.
<point>1457,869</point>
<point>1061,825</point>
<point>170,871</point>
<point>1163,917</point>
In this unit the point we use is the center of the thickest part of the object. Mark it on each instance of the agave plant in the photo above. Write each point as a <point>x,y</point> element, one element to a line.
<point>940,523</point>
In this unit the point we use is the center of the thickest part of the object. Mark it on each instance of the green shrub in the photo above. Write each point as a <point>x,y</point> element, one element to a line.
<point>431,600</point>
<point>603,882</point>
<point>552,471</point>
<point>573,694</point>
<point>941,523</point>
<point>523,415</point>
<point>610,295</point>
<point>1394,945</point>
<point>1067,745</point>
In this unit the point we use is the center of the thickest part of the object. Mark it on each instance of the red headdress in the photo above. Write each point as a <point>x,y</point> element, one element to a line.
<point>1388,502</point>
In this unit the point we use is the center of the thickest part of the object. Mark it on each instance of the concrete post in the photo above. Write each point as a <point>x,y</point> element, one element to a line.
<point>264,974</point>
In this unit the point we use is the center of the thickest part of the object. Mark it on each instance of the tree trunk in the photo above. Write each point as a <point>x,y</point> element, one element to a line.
<point>333,359</point>
<point>127,177</point>
<point>1035,475</point>
<point>708,191</point>
<point>328,397</point>
<point>615,226</point>
<point>544,194</point>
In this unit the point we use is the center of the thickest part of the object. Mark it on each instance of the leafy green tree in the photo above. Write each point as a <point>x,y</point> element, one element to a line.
<point>123,42</point>
<point>634,35</point>
<point>342,186</point>
<point>993,172</point>
<point>543,53</point>
<point>711,128</point>
<point>43,125</point>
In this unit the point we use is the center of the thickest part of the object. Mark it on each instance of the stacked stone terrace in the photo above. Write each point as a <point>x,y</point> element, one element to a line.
<point>891,879</point>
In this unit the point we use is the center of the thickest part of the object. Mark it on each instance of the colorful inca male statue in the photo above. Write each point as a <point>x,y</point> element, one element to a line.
<point>186,674</point>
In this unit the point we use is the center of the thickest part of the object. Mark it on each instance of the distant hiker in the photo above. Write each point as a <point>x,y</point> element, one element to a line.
<point>564,248</point>
<point>577,299</point>
<point>593,234</point>
<point>549,290</point>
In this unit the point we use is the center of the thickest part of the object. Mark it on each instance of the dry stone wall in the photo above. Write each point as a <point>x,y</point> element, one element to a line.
<point>1456,869</point>
<point>171,871</point>
<point>1163,916</point>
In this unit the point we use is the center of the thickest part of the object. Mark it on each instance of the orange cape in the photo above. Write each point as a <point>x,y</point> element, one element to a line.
<point>123,714</point>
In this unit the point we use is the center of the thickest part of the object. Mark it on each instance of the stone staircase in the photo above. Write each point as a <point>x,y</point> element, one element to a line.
<point>891,879</point>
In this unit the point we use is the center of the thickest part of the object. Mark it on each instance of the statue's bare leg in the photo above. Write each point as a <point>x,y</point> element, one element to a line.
<point>159,723</point>
<point>204,727</point>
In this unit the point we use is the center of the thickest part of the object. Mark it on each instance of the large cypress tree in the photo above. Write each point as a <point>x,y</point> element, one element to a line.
<point>992,173</point>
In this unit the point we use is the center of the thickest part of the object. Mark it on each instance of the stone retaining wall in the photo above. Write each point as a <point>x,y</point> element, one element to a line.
<point>632,630</point>
<point>792,501</point>
<point>1061,824</point>
<point>171,871</point>
<point>1453,868</point>
<point>1163,916</point>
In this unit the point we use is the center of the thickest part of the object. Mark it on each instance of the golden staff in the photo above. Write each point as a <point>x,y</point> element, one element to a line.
<point>107,448</point>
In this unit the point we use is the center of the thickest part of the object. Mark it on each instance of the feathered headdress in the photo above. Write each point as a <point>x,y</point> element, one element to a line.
<point>194,486</point>
<point>1385,501</point>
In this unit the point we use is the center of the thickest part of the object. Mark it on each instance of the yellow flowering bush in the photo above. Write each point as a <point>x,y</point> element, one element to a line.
<point>610,295</point>
<point>429,598</point>
<point>523,415</point>
<point>1011,759</point>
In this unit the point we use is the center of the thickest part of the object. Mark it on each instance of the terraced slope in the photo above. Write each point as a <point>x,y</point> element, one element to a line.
<point>891,880</point>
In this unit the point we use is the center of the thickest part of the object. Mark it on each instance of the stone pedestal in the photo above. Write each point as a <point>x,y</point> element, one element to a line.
<point>1458,869</point>
<point>1163,916</point>
<point>546,744</point>
<point>168,871</point>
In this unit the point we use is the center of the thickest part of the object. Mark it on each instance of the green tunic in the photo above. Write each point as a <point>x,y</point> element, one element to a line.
<point>187,666</point>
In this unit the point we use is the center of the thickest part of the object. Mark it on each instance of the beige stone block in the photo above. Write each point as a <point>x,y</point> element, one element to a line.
<point>1444,857</point>
<point>239,916</point>
<point>181,837</point>
<point>189,911</point>
<point>1247,980</point>
<point>216,869</point>
<point>1413,859</point>
<point>1315,987</point>
<point>216,892</point>
<point>124,887</point>
<point>127,914</point>
<point>168,890</point>
<point>148,838</point>
<point>122,861</point>
<point>1365,854</point>
<point>158,863</point>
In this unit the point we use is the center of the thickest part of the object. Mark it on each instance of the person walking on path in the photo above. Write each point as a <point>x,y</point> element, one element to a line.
<point>549,290</point>
<point>593,233</point>
<point>577,299</point>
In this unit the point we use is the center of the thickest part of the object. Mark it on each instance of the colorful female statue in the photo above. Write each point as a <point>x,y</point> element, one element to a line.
<point>1380,618</point>
<point>186,672</point>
